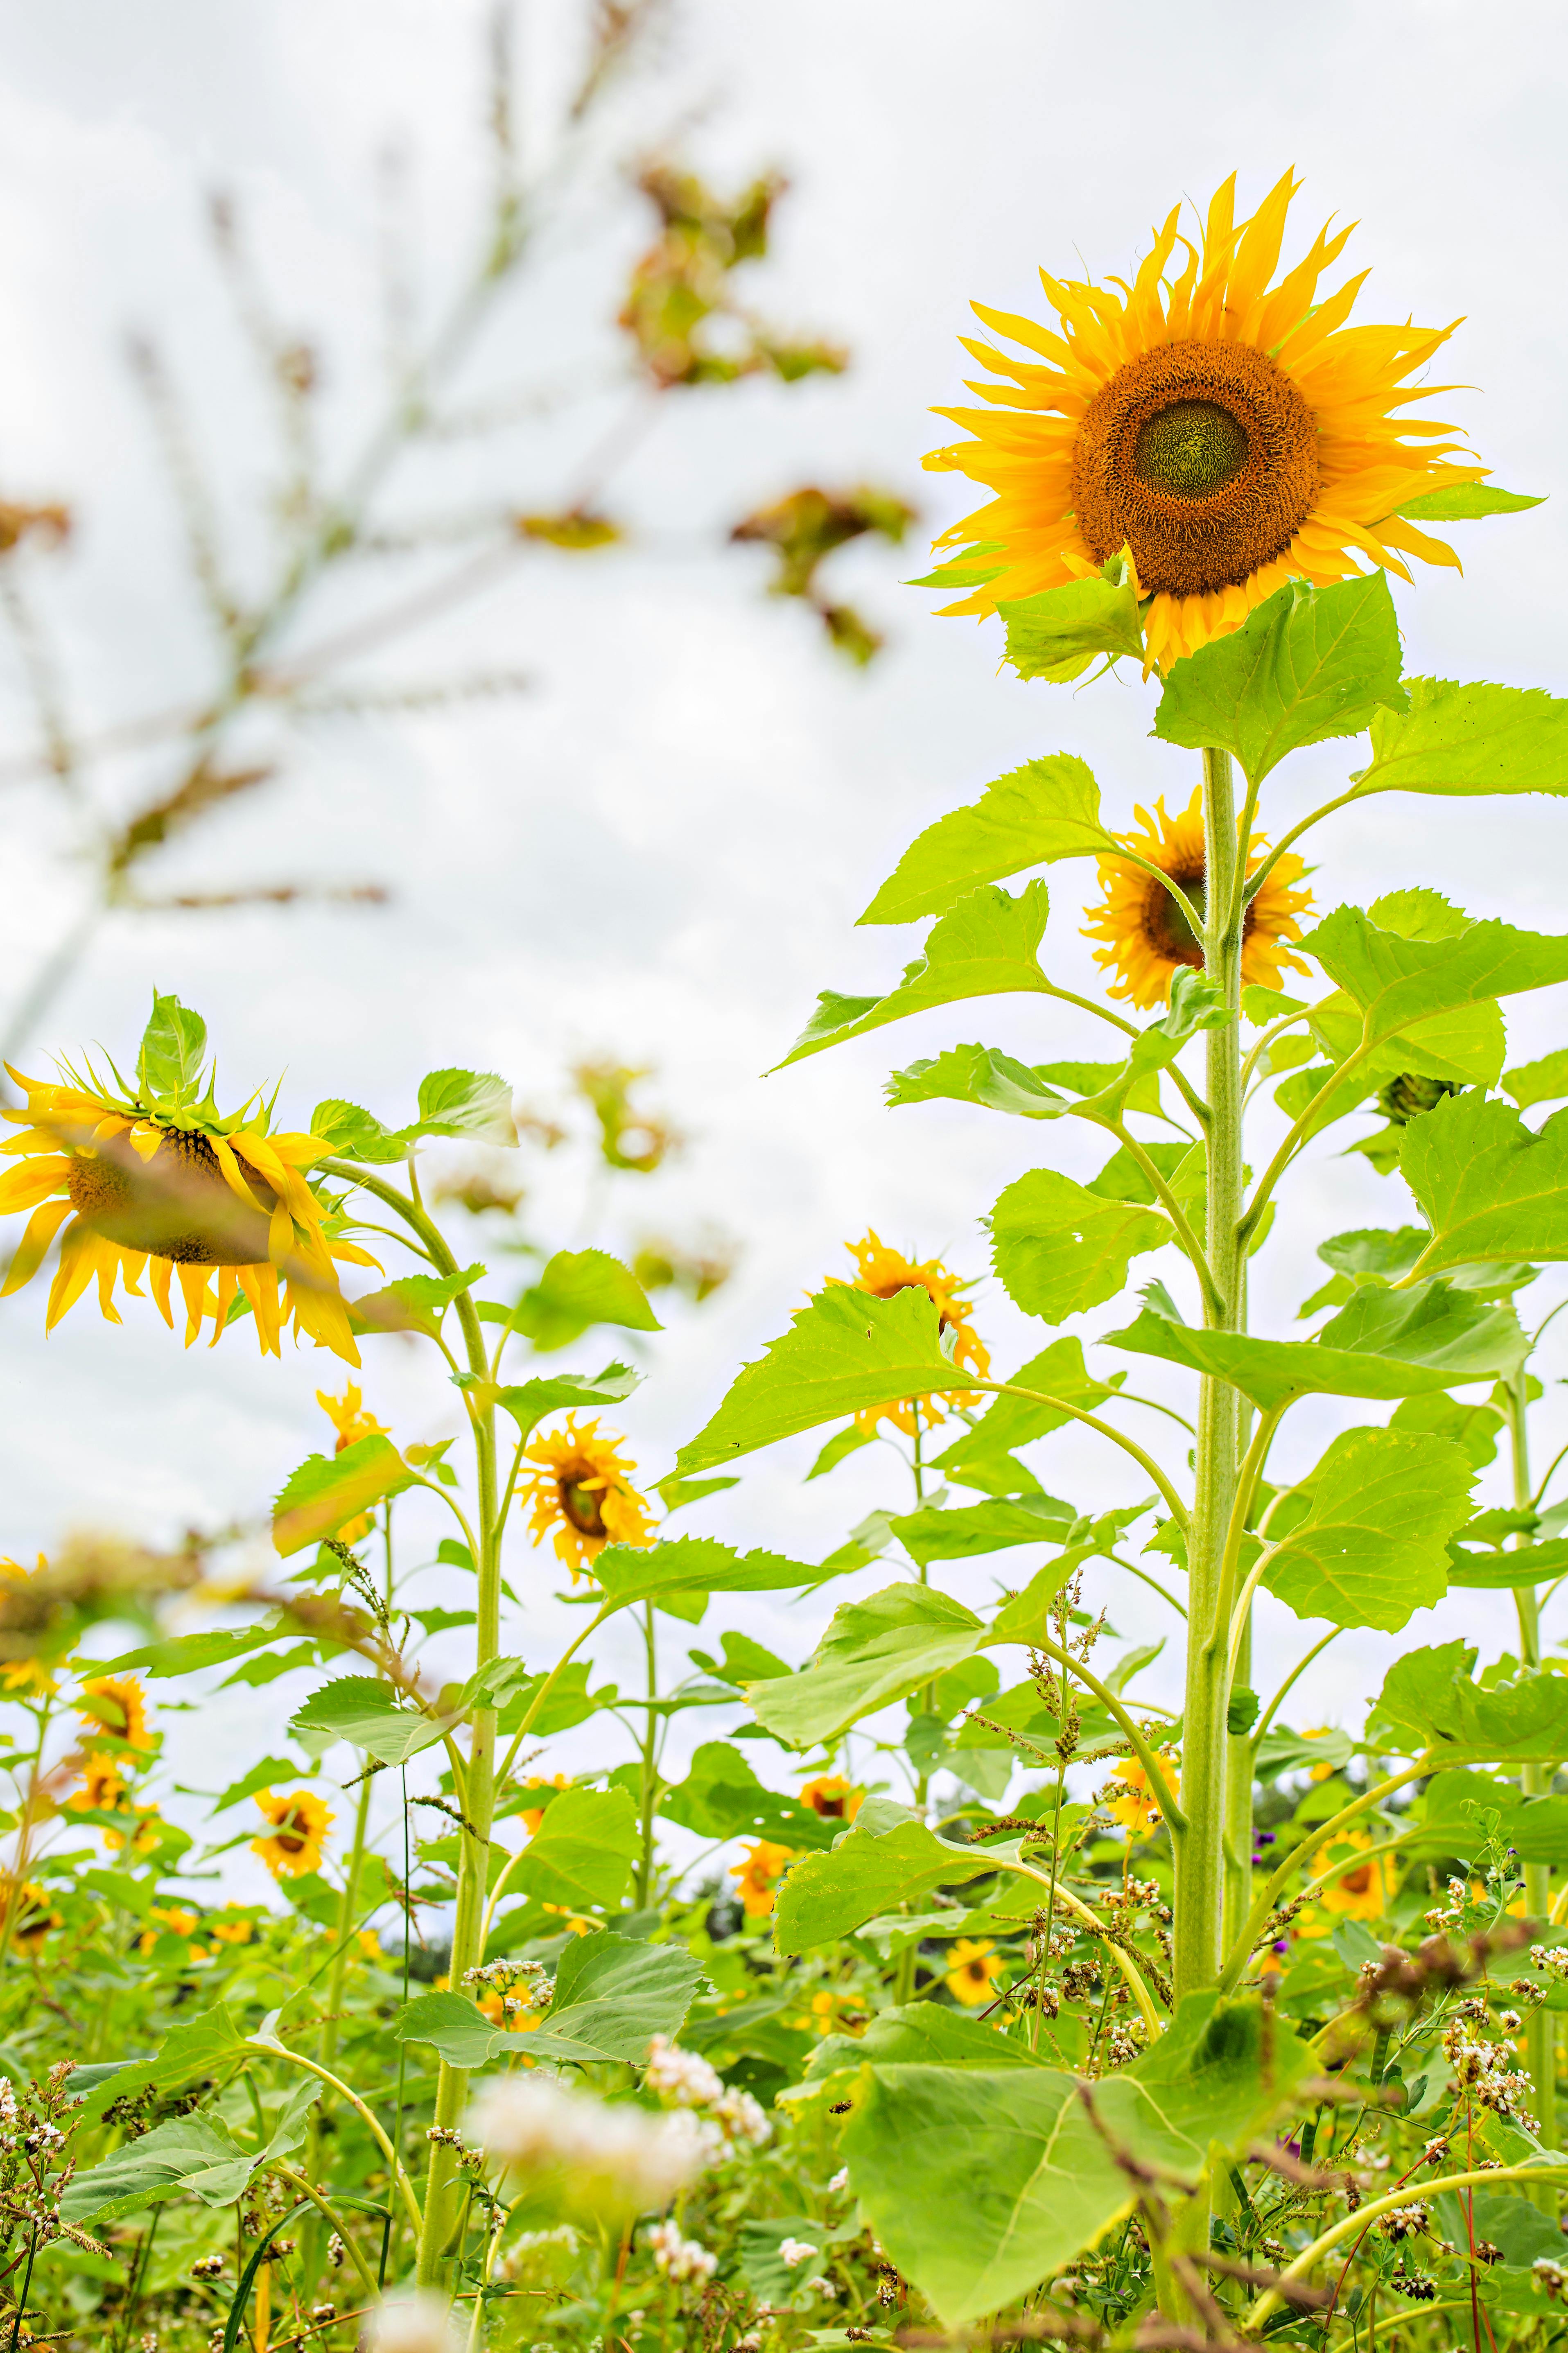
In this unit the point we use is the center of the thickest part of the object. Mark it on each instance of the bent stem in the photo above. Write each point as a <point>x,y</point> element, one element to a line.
<point>1236,1959</point>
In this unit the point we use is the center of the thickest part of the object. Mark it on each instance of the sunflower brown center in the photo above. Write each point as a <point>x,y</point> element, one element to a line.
<point>581,1506</point>
<point>1202,457</point>
<point>177,1205</point>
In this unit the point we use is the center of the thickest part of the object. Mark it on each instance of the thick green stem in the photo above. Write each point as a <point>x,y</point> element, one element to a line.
<point>327,2053</point>
<point>649,1765</point>
<point>1540,2033</point>
<point>1199,1845</point>
<point>1238,1800</point>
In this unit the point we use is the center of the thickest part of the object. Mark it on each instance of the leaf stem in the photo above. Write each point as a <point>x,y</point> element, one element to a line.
<point>1237,1958</point>
<point>1091,1421</point>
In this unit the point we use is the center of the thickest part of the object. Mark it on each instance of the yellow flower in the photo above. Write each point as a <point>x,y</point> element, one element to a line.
<point>115,1703</point>
<point>177,1923</point>
<point>1136,1810</point>
<point>23,1674</point>
<point>836,1799</point>
<point>1362,1892</point>
<point>1228,435</point>
<point>299,1825</point>
<point>1149,936</point>
<point>759,1873</point>
<point>157,1182</point>
<point>583,1491</point>
<point>144,1837</point>
<point>534,1815</point>
<point>972,1968</point>
<point>102,1786</point>
<point>886,1272</point>
<point>347,1416</point>
<point>233,1932</point>
<point>370,1946</point>
<point>1319,1772</point>
<point>30,1907</point>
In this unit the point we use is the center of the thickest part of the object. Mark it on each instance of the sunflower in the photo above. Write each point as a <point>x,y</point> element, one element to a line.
<point>146,1834</point>
<point>117,1705</point>
<point>30,1907</point>
<point>1362,1892</point>
<point>20,1675</point>
<point>299,1825</point>
<point>1149,937</point>
<point>836,1799</point>
<point>234,1931</point>
<point>154,1180</point>
<point>1230,435</point>
<point>102,1789</point>
<point>534,1815</point>
<point>758,1872</point>
<point>886,1272</point>
<point>348,1417</point>
<point>971,1969</point>
<point>1129,1798</point>
<point>583,1490</point>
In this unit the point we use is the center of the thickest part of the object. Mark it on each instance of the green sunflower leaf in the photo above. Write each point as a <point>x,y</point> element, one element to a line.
<point>1009,1422</point>
<point>843,1351</point>
<point>578,1290</point>
<point>613,1996</point>
<point>582,1853</point>
<point>977,1075</point>
<point>1535,1082</point>
<point>192,2156</point>
<point>327,1490</point>
<point>980,2183</point>
<point>1373,1545</point>
<point>465,1103</point>
<point>174,1043</point>
<point>1488,1187</point>
<point>1059,1249</point>
<point>358,1709</point>
<point>1046,810</point>
<point>1466,503</point>
<point>1057,634</point>
<point>1468,739</point>
<point>628,1572</point>
<point>1308,664</point>
<point>528,1402</point>
<point>415,1303</point>
<point>830,1896</point>
<point>351,1134</point>
<point>1399,982</point>
<point>1430,1694</point>
<point>874,1651</point>
<point>1383,1344</point>
<point>938,1533</point>
<point>1502,1571</point>
<point>986,946</point>
<point>720,1798</point>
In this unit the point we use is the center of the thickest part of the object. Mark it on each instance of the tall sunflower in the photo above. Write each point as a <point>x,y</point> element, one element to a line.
<point>886,1272</point>
<point>1229,433</point>
<point>153,1178</point>
<point>299,1827</point>
<point>1148,938</point>
<point>581,1488</point>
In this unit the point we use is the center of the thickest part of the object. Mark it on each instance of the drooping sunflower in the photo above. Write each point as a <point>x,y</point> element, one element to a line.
<point>886,1272</point>
<point>154,1180</point>
<point>759,1873</point>
<point>972,1969</point>
<point>836,1799</point>
<point>115,1703</point>
<point>300,1824</point>
<point>1147,934</point>
<point>1229,434</point>
<point>582,1490</point>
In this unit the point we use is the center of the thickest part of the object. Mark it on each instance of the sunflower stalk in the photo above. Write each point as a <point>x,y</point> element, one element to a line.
<point>1540,2030</point>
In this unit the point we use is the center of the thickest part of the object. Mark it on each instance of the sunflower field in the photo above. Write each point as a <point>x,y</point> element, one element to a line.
<point>943,1987</point>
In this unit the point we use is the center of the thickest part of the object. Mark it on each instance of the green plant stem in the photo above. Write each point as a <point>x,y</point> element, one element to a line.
<point>1238,1795</point>
<point>1193,1249</point>
<point>1540,2031</point>
<point>452,2083</point>
<point>400,2180</point>
<point>649,1765</point>
<point>334,1994</point>
<point>1236,1959</point>
<point>297,2182</point>
<point>1199,1848</point>
<point>1146,1462</point>
<point>1374,2208</point>
<point>1299,1670</point>
<point>1159,1789</point>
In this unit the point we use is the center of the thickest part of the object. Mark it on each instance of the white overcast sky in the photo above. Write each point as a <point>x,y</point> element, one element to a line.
<point>661,849</point>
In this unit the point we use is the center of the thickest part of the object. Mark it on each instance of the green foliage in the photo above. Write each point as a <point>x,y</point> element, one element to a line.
<point>1046,810</point>
<point>1058,1249</point>
<point>720,1798</point>
<point>873,1651</point>
<point>1057,634</point>
<point>825,1896</point>
<point>843,1351</point>
<point>326,1490</point>
<point>629,1573</point>
<point>985,946</point>
<point>1457,739</point>
<point>169,1058</point>
<point>357,1709</point>
<point>582,1853</point>
<point>1010,1421</point>
<point>1430,1700</point>
<point>474,1104</point>
<point>1487,1186</point>
<point>1305,665</point>
<point>1466,503</point>
<point>529,1402</point>
<point>578,1290</point>
<point>1543,1081</point>
<point>1374,1546</point>
<point>611,1997</point>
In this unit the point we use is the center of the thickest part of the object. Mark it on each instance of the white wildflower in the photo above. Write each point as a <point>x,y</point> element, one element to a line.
<point>608,2155</point>
<point>741,2120</point>
<point>679,2258</point>
<point>411,2324</point>
<point>839,2182</point>
<point>823,2287</point>
<point>682,2075</point>
<point>794,2252</point>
